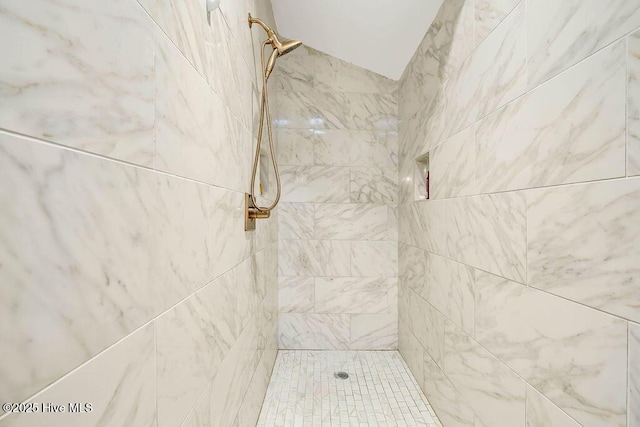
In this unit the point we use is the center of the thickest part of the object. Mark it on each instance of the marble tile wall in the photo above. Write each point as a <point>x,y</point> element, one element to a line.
<point>338,251</point>
<point>518,281</point>
<point>128,281</point>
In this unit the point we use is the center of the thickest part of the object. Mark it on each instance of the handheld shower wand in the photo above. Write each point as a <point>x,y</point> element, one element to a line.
<point>252,210</point>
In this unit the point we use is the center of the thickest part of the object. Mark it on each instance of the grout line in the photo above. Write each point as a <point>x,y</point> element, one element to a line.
<point>52,144</point>
<point>522,284</point>
<point>148,323</point>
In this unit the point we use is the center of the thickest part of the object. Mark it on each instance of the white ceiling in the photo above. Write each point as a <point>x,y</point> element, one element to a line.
<point>379,35</point>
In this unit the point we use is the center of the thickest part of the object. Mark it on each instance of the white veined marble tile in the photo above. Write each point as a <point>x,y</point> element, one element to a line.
<point>296,146</point>
<point>542,413</point>
<point>486,231</point>
<point>494,392</point>
<point>454,40</point>
<point>119,384</point>
<point>572,354</point>
<point>351,221</point>
<point>380,390</point>
<point>373,185</point>
<point>374,259</point>
<point>570,129</point>
<point>634,376</point>
<point>220,402</point>
<point>296,294</point>
<point>412,267</point>
<point>314,331</point>
<point>452,166</point>
<point>317,110</point>
<point>633,105</point>
<point>428,326</point>
<point>335,75</point>
<point>296,221</point>
<point>374,331</point>
<point>193,339</point>
<point>411,349</point>
<point>490,13</point>
<point>352,295</point>
<point>449,287</point>
<point>348,147</point>
<point>67,77</point>
<point>490,77</point>
<point>328,258</point>
<point>196,135</point>
<point>584,243</point>
<point>181,221</point>
<point>320,184</point>
<point>561,33</point>
<point>254,397</point>
<point>451,406</point>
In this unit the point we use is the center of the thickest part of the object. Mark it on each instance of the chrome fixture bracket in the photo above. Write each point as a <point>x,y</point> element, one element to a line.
<point>252,213</point>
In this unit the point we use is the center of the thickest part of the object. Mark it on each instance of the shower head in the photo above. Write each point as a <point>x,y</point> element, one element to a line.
<point>279,47</point>
<point>284,47</point>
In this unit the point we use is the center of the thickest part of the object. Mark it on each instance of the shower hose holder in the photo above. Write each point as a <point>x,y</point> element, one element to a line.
<point>252,213</point>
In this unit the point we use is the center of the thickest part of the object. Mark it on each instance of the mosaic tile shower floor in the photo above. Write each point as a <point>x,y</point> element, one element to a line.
<point>380,391</point>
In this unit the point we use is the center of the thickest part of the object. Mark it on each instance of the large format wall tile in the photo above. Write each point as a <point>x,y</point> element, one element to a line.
<point>193,340</point>
<point>452,173</point>
<point>452,409</point>
<point>316,71</point>
<point>315,184</point>
<point>487,232</point>
<point>352,295</point>
<point>220,402</point>
<point>296,220</point>
<point>489,13</point>
<point>296,294</point>
<point>314,331</point>
<point>351,221</point>
<point>67,77</point>
<point>119,384</point>
<point>374,259</point>
<point>373,185</point>
<point>339,143</point>
<point>179,220</point>
<point>316,110</point>
<point>491,76</point>
<point>542,413</point>
<point>449,287</point>
<point>574,355</point>
<point>428,325</point>
<point>196,134</point>
<point>634,376</point>
<point>374,332</point>
<point>633,105</point>
<point>494,392</point>
<point>296,146</point>
<point>328,258</point>
<point>355,148</point>
<point>582,236</point>
<point>568,130</point>
<point>561,33</point>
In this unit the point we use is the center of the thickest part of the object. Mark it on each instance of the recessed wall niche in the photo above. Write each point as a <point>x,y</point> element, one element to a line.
<point>421,178</point>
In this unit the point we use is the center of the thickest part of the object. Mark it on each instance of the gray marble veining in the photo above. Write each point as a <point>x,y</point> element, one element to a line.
<point>542,413</point>
<point>581,236</point>
<point>543,338</point>
<point>124,395</point>
<point>570,129</point>
<point>562,33</point>
<point>67,77</point>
